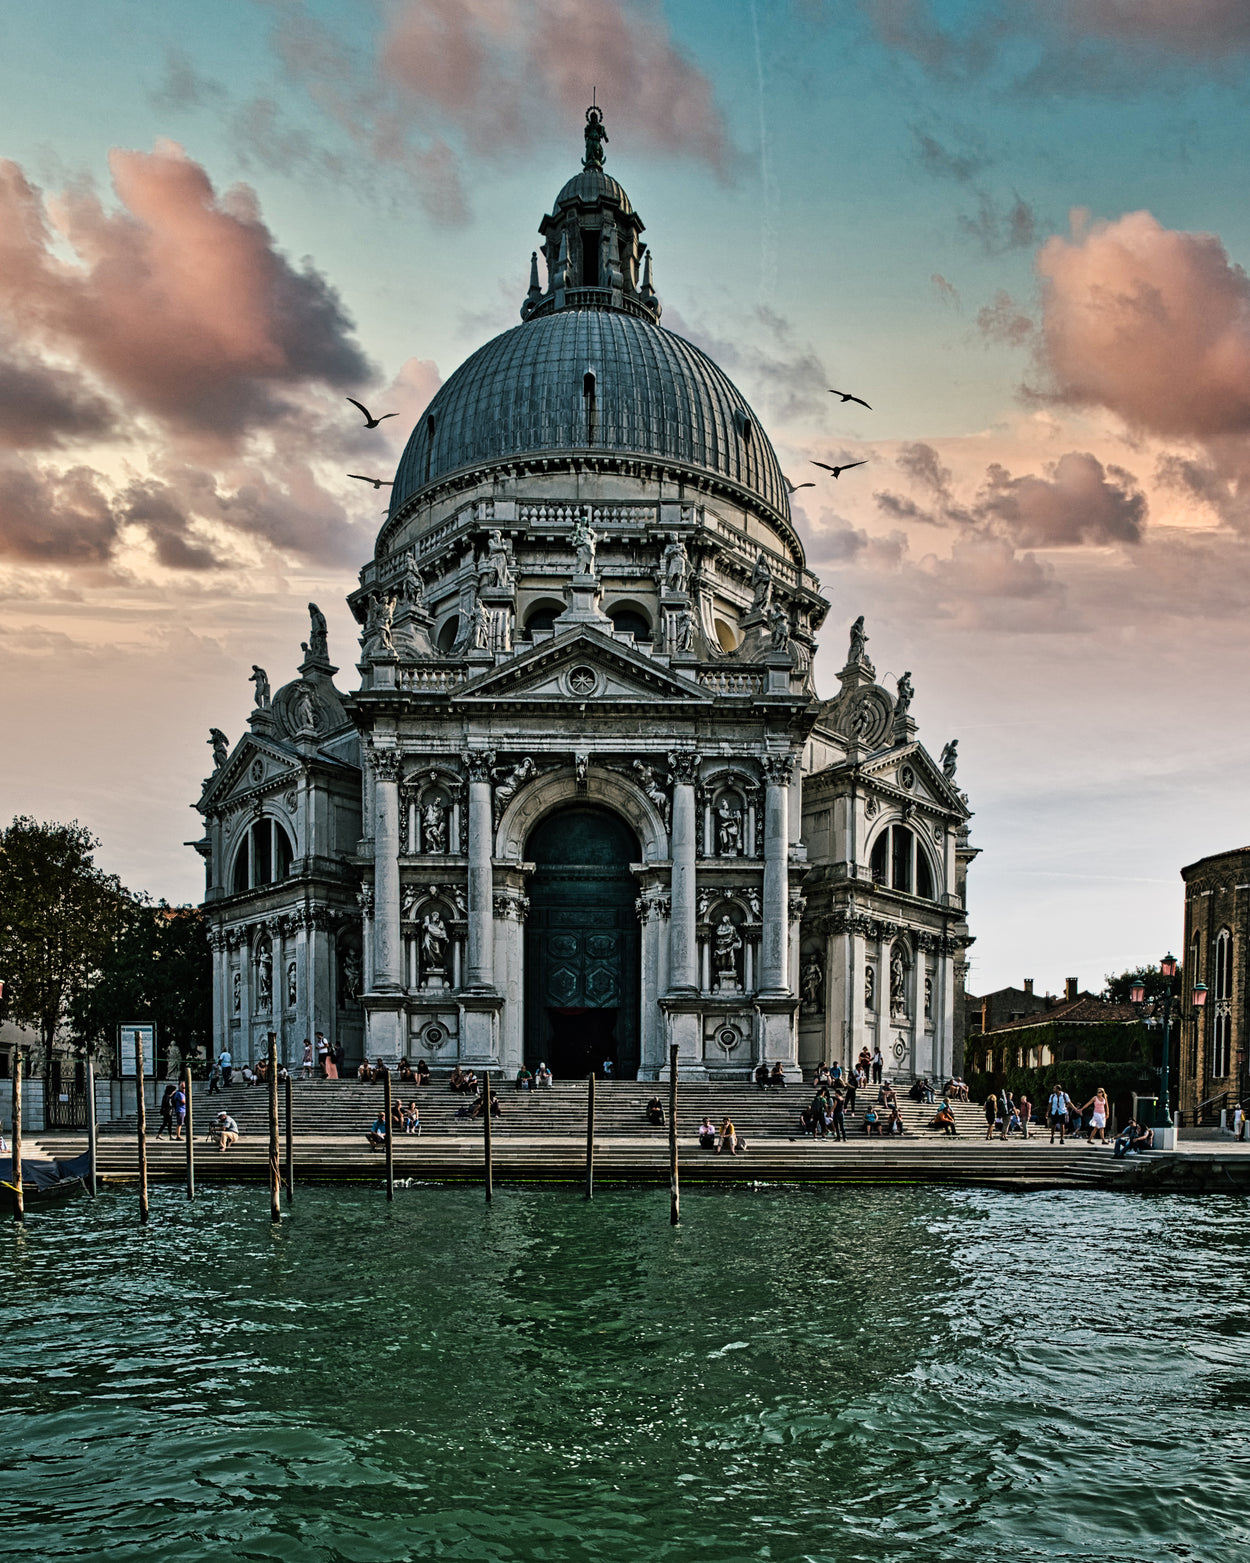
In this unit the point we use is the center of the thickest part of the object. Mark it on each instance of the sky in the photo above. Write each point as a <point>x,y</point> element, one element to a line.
<point>1017,228</point>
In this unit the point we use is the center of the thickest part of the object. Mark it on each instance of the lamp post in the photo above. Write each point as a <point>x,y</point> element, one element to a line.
<point>1137,993</point>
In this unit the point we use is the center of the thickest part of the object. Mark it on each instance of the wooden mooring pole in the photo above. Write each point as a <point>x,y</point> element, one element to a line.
<point>486,1132</point>
<point>275,1175</point>
<point>141,1130</point>
<point>590,1135</point>
<point>289,1175</point>
<point>674,1193</point>
<point>390,1144</point>
<point>92,1179</point>
<point>19,1201</point>
<point>190,1127</point>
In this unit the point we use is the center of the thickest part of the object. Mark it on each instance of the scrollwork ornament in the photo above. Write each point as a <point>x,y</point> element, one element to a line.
<point>364,900</point>
<point>478,763</point>
<point>684,766</point>
<point>385,763</point>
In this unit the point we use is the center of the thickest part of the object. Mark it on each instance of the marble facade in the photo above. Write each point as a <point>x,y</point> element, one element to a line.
<point>585,801</point>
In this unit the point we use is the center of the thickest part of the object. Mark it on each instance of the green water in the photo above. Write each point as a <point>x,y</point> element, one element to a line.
<point>792,1374</point>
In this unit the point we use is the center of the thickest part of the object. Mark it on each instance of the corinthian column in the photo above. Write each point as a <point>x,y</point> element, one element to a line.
<point>774,977</point>
<point>387,946</point>
<point>683,953</point>
<point>481,942</point>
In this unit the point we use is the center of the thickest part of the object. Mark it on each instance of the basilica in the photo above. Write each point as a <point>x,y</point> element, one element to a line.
<point>585,802</point>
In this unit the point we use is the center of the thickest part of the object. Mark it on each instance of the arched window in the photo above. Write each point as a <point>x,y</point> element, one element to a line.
<point>628,621</point>
<point>1222,1025</point>
<point>429,451</point>
<point>592,407</point>
<point>264,857</point>
<point>543,617</point>
<point>899,862</point>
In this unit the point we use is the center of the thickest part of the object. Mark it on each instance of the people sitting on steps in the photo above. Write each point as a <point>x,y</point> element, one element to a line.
<point>412,1119</point>
<point>728,1137</point>
<point>377,1134</point>
<point>944,1119</point>
<point>543,1078</point>
<point>707,1134</point>
<point>225,1131</point>
<point>655,1112</point>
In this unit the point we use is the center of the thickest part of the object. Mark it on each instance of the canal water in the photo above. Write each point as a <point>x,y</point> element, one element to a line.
<point>792,1374</point>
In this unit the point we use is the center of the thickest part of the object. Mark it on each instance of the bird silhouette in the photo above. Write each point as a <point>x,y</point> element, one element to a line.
<point>370,421</point>
<point>794,487</point>
<point>838,471</point>
<point>377,482</point>
<point>845,395</point>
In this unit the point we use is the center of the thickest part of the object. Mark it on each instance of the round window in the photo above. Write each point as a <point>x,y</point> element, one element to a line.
<point>258,770</point>
<point>908,777</point>
<point>728,1038</point>
<point>582,681</point>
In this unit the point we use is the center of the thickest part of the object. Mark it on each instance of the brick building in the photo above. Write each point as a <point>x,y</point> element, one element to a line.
<point>1210,1043</point>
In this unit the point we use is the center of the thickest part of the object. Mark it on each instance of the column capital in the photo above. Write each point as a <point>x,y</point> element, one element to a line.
<point>684,765</point>
<point>385,763</point>
<point>478,763</point>
<point>778,769</point>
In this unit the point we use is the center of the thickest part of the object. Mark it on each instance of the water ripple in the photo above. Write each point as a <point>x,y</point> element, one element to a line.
<point>793,1374</point>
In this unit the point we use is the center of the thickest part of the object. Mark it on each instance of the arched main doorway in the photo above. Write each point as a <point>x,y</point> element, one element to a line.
<point>581,944</point>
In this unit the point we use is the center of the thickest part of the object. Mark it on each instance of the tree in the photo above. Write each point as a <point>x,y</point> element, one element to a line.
<point>1117,988</point>
<point>59,917</point>
<point>158,971</point>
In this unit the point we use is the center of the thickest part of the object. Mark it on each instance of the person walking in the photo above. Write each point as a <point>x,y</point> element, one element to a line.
<point>991,1115</point>
<point>1058,1108</point>
<point>837,1116</point>
<point>323,1054</point>
<point>878,1064</point>
<point>306,1063</point>
<point>1098,1109</point>
<point>214,1077</point>
<point>167,1114</point>
<point>226,1061</point>
<point>1026,1117</point>
<point>179,1106</point>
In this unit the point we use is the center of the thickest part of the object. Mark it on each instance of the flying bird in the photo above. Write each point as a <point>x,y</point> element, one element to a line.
<point>377,482</point>
<point>795,487</point>
<point>845,395</point>
<point>838,471</point>
<point>370,421</point>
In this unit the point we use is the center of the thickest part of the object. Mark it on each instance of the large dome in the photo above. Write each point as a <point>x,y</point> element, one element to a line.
<point>654,394</point>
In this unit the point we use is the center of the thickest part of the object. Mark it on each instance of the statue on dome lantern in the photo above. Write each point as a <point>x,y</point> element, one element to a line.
<point>596,137</point>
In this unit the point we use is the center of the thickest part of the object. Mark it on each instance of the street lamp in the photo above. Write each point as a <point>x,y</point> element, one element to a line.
<point>1137,993</point>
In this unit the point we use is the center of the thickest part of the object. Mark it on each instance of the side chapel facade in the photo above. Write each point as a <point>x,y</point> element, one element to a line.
<point>585,801</point>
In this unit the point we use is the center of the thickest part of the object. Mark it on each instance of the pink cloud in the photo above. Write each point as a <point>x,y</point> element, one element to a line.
<point>1194,27</point>
<point>1152,323</point>
<point>1080,501</point>
<point>179,299</point>
<point>501,70</point>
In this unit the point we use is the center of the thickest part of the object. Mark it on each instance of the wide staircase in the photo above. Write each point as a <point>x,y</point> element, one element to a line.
<point>325,1108</point>
<point>540,1138</point>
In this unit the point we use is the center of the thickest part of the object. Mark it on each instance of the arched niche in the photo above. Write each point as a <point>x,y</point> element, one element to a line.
<point>730,818</point>
<point>430,821</point>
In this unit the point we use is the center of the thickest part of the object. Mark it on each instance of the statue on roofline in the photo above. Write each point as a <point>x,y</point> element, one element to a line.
<point>596,138</point>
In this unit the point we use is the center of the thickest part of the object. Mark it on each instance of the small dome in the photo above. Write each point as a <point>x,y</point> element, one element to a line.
<point>655,395</point>
<point>590,187</point>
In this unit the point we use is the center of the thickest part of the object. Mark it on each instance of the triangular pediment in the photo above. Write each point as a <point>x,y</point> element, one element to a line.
<point>254,765</point>
<point>582,665</point>
<point>910,771</point>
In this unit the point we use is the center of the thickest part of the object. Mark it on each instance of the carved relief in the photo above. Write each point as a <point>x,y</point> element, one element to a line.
<point>683,767</point>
